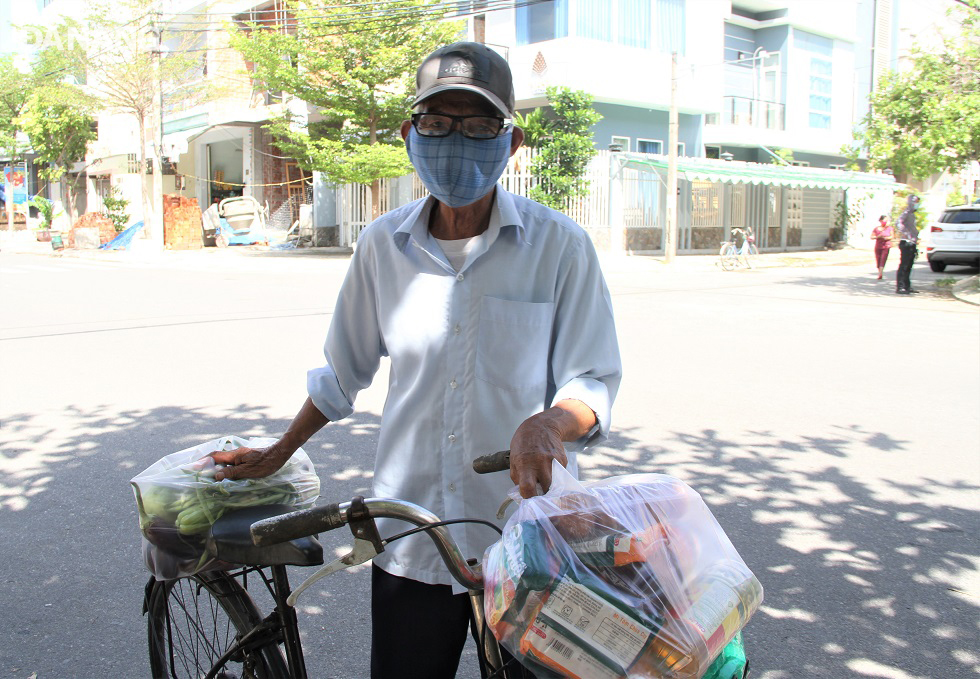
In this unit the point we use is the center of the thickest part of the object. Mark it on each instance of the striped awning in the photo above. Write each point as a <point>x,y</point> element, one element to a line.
<point>737,172</point>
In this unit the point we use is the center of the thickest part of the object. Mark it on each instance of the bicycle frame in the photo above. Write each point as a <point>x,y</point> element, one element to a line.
<point>281,626</point>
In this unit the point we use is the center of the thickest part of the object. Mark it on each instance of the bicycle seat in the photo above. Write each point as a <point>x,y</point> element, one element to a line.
<point>231,541</point>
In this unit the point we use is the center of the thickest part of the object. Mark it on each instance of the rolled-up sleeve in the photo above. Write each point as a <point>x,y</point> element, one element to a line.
<point>353,347</point>
<point>585,362</point>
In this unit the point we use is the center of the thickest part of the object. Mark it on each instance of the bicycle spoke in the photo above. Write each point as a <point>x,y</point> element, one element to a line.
<point>199,647</point>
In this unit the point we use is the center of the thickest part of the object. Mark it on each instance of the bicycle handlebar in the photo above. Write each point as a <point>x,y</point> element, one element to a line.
<point>495,462</point>
<point>298,524</point>
<point>328,517</point>
<point>307,522</point>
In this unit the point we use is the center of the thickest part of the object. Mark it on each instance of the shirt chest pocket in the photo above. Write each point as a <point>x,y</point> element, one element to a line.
<point>513,346</point>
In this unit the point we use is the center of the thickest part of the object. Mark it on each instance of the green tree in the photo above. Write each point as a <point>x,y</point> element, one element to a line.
<point>927,119</point>
<point>113,47</point>
<point>15,88</point>
<point>59,121</point>
<point>355,74</point>
<point>114,206</point>
<point>565,147</point>
<point>536,127</point>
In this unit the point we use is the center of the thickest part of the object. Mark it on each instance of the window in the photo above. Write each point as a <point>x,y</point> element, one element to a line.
<point>820,89</point>
<point>542,21</point>
<point>649,146</point>
<point>819,51</point>
<point>681,149</point>
<point>626,22</point>
<point>837,167</point>
<point>800,163</point>
<point>622,142</point>
<point>646,24</point>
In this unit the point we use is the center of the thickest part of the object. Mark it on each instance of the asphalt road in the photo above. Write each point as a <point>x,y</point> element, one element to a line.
<point>832,426</point>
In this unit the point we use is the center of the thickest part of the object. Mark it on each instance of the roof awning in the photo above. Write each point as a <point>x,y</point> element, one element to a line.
<point>118,164</point>
<point>737,172</point>
<point>178,133</point>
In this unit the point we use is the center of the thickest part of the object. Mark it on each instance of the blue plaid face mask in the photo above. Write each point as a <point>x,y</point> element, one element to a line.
<point>457,170</point>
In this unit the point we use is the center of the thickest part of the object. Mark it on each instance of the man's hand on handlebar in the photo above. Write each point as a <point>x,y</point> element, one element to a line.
<point>248,463</point>
<point>534,446</point>
<point>539,439</point>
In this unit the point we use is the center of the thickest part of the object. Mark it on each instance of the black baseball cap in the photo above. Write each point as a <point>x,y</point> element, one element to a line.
<point>469,66</point>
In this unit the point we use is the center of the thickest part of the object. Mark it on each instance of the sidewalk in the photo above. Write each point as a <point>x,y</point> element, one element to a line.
<point>24,242</point>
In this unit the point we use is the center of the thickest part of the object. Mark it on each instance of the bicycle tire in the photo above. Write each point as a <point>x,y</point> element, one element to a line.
<point>750,252</point>
<point>192,621</point>
<point>728,256</point>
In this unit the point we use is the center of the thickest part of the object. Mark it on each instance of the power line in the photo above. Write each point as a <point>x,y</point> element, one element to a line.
<point>440,10</point>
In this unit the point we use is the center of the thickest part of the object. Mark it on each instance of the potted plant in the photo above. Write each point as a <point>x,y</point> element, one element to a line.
<point>45,209</point>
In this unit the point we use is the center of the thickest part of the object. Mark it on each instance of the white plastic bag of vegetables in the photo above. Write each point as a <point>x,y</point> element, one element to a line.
<point>627,577</point>
<point>178,501</point>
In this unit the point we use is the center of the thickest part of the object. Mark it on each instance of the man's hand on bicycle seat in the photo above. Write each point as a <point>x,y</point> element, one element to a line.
<point>248,463</point>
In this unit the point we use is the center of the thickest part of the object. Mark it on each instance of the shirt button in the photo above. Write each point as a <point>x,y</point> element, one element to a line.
<point>459,276</point>
<point>456,329</point>
<point>452,438</point>
<point>452,487</point>
<point>453,384</point>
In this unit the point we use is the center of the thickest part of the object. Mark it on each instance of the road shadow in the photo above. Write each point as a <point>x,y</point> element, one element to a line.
<point>861,578</point>
<point>70,541</point>
<point>858,281</point>
<point>856,583</point>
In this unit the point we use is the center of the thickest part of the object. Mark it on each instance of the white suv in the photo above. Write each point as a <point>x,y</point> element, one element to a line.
<point>955,238</point>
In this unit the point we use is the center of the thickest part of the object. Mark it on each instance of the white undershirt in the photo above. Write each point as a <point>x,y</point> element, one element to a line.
<point>456,250</point>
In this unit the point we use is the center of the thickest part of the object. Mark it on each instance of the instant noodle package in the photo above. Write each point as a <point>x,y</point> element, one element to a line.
<point>627,577</point>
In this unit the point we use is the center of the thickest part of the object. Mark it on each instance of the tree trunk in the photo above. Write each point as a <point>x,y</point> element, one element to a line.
<point>376,184</point>
<point>375,199</point>
<point>144,190</point>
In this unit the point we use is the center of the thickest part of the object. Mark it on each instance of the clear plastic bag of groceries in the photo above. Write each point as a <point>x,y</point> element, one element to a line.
<point>178,500</point>
<point>627,577</point>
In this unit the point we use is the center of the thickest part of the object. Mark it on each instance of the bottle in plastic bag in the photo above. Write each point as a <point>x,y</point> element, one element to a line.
<point>723,598</point>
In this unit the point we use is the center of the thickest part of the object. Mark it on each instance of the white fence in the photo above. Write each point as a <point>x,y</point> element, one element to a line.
<point>591,211</point>
<point>624,209</point>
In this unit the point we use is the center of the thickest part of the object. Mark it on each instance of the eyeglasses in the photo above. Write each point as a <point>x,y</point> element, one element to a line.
<point>472,126</point>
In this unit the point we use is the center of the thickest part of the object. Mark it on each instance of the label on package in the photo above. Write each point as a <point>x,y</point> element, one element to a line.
<point>714,608</point>
<point>562,654</point>
<point>513,557</point>
<point>598,625</point>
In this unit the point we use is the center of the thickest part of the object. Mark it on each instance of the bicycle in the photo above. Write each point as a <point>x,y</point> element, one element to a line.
<point>207,625</point>
<point>732,256</point>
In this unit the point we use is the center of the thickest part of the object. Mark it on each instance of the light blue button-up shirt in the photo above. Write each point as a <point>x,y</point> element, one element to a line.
<point>526,322</point>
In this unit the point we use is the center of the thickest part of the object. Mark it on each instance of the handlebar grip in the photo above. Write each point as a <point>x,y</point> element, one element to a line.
<point>299,524</point>
<point>495,462</point>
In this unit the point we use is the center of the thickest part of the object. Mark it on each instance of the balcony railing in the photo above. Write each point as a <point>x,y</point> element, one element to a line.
<point>745,112</point>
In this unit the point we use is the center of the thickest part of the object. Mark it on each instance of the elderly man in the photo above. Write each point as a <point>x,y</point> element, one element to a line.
<point>499,328</point>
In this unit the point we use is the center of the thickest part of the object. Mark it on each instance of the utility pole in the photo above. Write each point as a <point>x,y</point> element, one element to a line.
<point>156,198</point>
<point>9,198</point>
<point>670,240</point>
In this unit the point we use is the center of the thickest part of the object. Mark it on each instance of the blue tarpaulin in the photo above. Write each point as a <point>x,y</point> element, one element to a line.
<point>122,241</point>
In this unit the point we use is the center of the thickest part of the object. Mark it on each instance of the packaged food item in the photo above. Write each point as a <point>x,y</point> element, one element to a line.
<point>636,580</point>
<point>178,500</point>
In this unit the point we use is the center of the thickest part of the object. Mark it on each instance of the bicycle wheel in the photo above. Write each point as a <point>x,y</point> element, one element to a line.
<point>750,252</point>
<point>192,622</point>
<point>728,256</point>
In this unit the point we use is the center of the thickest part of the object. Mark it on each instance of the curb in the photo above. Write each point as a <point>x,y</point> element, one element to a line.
<point>968,290</point>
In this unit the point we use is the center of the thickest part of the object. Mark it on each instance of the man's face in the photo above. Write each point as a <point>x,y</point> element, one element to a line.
<point>462,103</point>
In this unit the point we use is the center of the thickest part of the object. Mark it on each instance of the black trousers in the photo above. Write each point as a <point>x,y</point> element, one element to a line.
<point>903,276</point>
<point>417,630</point>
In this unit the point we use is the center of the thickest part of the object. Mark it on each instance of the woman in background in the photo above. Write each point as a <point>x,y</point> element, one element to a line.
<point>882,235</point>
